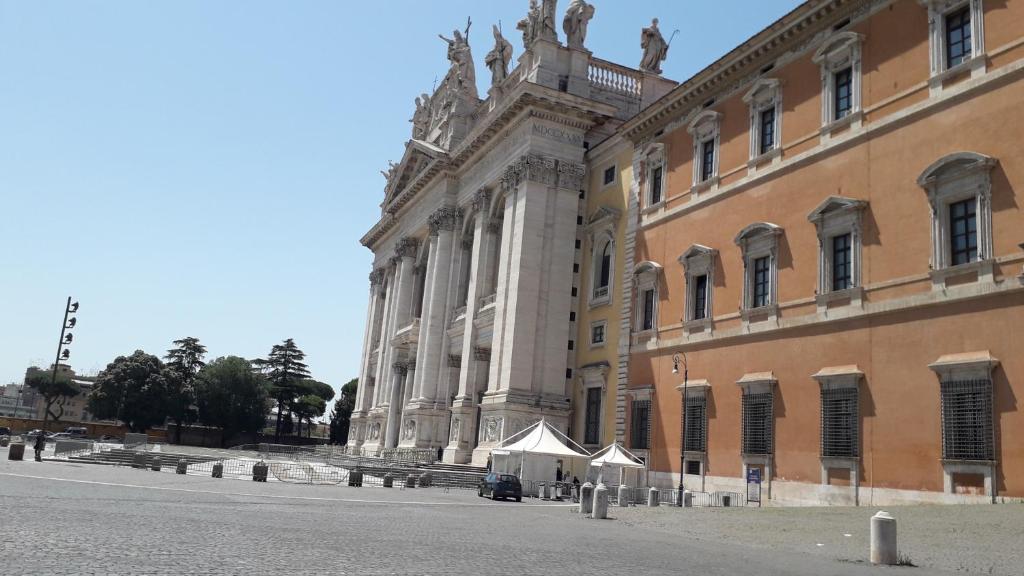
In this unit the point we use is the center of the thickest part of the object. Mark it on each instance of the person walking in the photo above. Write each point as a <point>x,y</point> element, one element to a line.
<point>40,446</point>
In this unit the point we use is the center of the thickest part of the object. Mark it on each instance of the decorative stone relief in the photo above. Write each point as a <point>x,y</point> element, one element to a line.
<point>456,429</point>
<point>481,200</point>
<point>543,170</point>
<point>492,429</point>
<point>400,368</point>
<point>409,430</point>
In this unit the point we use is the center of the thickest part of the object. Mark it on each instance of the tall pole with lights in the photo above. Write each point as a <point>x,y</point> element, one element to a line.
<point>65,340</point>
<point>682,437</point>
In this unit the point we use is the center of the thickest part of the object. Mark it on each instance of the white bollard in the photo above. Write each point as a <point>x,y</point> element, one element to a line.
<point>587,498</point>
<point>600,502</point>
<point>653,497</point>
<point>883,539</point>
<point>623,495</point>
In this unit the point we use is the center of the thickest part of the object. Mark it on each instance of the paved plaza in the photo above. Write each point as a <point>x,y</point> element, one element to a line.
<point>61,518</point>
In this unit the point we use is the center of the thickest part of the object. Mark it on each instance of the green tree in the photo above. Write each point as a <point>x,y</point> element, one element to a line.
<point>184,361</point>
<point>132,389</point>
<point>311,401</point>
<point>232,396</point>
<point>55,391</point>
<point>284,369</point>
<point>341,416</point>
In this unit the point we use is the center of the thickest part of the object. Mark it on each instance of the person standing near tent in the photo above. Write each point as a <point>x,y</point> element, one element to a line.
<point>40,446</point>
<point>558,474</point>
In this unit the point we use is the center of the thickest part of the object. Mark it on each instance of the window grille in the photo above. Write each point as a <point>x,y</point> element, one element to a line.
<point>843,93</point>
<point>958,37</point>
<point>842,269</point>
<point>963,231</point>
<point>757,423</point>
<point>967,420</point>
<point>840,423</point>
<point>597,334</point>
<point>693,467</point>
<point>767,130</point>
<point>696,424</point>
<point>593,422</point>
<point>707,165</point>
<point>656,177</point>
<point>700,297</point>
<point>640,425</point>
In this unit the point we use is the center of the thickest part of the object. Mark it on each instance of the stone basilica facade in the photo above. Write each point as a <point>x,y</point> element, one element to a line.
<point>473,295</point>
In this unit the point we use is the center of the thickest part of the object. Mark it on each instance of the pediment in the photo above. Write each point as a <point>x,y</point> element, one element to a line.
<point>835,204</point>
<point>418,158</point>
<point>602,216</point>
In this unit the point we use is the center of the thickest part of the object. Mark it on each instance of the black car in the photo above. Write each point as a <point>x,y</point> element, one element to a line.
<point>500,486</point>
<point>5,431</point>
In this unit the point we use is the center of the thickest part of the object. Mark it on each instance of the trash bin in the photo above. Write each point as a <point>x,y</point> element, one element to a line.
<point>355,478</point>
<point>425,480</point>
<point>155,465</point>
<point>410,481</point>
<point>389,480</point>
<point>259,471</point>
<point>218,470</point>
<point>542,490</point>
<point>182,466</point>
<point>16,451</point>
<point>139,460</point>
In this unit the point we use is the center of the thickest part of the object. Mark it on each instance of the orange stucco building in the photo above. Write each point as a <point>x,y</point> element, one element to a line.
<point>828,230</point>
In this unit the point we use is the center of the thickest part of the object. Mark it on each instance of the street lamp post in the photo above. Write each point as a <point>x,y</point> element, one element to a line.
<point>64,340</point>
<point>682,448</point>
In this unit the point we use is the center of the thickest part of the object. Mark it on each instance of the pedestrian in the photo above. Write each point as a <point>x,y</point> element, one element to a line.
<point>440,453</point>
<point>40,446</point>
<point>558,475</point>
<point>488,462</point>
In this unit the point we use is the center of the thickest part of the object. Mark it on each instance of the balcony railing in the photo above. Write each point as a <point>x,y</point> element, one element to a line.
<point>600,293</point>
<point>615,78</point>
<point>458,315</point>
<point>487,300</point>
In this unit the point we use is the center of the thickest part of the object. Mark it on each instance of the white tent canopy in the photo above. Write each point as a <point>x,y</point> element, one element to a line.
<point>616,455</point>
<point>535,454</point>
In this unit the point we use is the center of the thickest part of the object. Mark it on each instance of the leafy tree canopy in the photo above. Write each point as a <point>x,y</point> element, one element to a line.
<point>232,396</point>
<point>54,391</point>
<point>184,361</point>
<point>132,389</point>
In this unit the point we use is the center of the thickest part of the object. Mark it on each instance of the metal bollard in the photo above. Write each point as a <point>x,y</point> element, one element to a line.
<point>542,490</point>
<point>600,502</point>
<point>182,466</point>
<point>688,499</point>
<point>155,464</point>
<point>355,478</point>
<point>587,498</point>
<point>653,497</point>
<point>410,481</point>
<point>883,539</point>
<point>623,495</point>
<point>259,471</point>
<point>218,470</point>
<point>389,480</point>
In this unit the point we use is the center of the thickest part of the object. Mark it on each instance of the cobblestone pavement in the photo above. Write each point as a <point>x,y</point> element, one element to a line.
<point>965,539</point>
<point>59,518</point>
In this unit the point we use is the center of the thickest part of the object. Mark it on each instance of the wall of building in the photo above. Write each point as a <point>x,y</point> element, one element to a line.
<point>905,323</point>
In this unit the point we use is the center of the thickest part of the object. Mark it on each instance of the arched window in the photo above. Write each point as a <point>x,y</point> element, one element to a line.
<point>605,268</point>
<point>604,250</point>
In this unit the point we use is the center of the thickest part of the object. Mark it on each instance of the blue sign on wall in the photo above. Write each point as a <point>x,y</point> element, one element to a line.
<point>753,475</point>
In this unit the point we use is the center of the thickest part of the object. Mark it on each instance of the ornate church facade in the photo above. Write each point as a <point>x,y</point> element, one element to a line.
<point>471,327</point>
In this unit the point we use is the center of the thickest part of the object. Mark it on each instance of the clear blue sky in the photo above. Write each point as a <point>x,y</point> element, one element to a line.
<point>206,168</point>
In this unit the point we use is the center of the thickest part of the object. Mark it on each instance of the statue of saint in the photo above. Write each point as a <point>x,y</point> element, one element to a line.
<point>421,118</point>
<point>498,58</point>
<point>529,24</point>
<point>546,30</point>
<point>655,48</point>
<point>392,168</point>
<point>575,23</point>
<point>461,57</point>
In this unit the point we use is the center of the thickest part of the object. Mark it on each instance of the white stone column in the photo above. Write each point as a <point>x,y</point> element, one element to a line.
<point>434,320</point>
<point>405,252</point>
<point>359,414</point>
<point>383,348</point>
<point>399,371</point>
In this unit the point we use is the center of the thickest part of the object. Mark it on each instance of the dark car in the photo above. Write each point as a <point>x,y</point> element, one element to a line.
<point>500,486</point>
<point>5,431</point>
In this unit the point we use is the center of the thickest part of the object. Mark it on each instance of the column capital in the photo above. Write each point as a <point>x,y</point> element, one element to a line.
<point>377,276</point>
<point>481,200</point>
<point>543,170</point>
<point>482,354</point>
<point>444,219</point>
<point>407,247</point>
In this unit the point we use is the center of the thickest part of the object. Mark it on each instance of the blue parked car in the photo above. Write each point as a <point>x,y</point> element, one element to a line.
<point>500,486</point>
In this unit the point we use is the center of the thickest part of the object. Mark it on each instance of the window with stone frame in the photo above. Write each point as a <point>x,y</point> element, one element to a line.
<point>601,236</point>
<point>705,131</point>
<point>696,422</point>
<point>838,221</point>
<point>840,60</point>
<point>757,423</point>
<point>654,175</point>
<point>698,263</point>
<point>597,333</point>
<point>959,188</point>
<point>956,38</point>
<point>759,244</point>
<point>840,422</point>
<point>603,269</point>
<point>765,101</point>
<point>646,279</point>
<point>640,425</point>
<point>608,176</point>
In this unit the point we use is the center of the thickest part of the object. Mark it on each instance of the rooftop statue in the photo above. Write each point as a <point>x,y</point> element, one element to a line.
<point>498,58</point>
<point>461,58</point>
<point>575,23</point>
<point>421,118</point>
<point>655,48</point>
<point>390,173</point>
<point>539,23</point>
<point>529,24</point>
